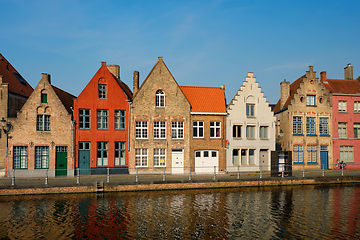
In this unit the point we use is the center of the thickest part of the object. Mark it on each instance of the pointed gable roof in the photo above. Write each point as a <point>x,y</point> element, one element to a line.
<point>347,86</point>
<point>293,88</point>
<point>66,98</point>
<point>17,84</point>
<point>205,99</point>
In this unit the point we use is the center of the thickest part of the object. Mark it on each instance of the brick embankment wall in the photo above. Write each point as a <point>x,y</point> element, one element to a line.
<point>175,186</point>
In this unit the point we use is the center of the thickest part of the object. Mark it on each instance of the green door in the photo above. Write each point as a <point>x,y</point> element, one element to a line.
<point>84,157</point>
<point>61,161</point>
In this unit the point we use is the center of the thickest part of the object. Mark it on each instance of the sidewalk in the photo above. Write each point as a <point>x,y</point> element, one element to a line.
<point>146,182</point>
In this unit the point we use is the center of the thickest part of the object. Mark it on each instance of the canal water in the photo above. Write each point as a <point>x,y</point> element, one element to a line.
<point>303,212</point>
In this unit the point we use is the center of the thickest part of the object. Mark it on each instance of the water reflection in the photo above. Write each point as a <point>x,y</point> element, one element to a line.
<point>266,213</point>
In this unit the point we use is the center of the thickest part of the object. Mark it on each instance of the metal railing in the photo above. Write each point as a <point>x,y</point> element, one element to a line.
<point>71,177</point>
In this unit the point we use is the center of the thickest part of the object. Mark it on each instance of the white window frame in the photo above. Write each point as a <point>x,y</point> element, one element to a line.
<point>160,98</point>
<point>264,132</point>
<point>310,100</point>
<point>41,157</point>
<point>250,110</point>
<point>249,134</point>
<point>102,154</point>
<point>141,157</point>
<point>159,129</point>
<point>357,107</point>
<point>342,129</point>
<point>347,153</point>
<point>120,154</point>
<point>342,106</point>
<point>141,129</point>
<point>43,123</point>
<point>120,119</point>
<point>198,127</point>
<point>102,119</point>
<point>177,130</point>
<point>159,159</point>
<point>215,129</point>
<point>356,130</point>
<point>20,157</point>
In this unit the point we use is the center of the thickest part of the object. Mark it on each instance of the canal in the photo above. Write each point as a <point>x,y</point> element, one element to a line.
<point>316,212</point>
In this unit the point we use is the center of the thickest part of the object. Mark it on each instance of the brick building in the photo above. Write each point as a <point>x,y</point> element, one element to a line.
<point>345,102</point>
<point>208,118</point>
<point>160,123</point>
<point>14,91</point>
<point>303,115</point>
<point>102,129</point>
<point>250,129</point>
<point>42,137</point>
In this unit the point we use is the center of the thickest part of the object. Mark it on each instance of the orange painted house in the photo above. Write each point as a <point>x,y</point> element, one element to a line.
<point>101,114</point>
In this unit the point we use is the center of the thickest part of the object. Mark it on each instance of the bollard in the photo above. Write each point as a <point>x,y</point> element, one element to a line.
<point>190,174</point>
<point>47,177</point>
<point>342,170</point>
<point>282,174</point>
<point>238,175</point>
<point>214,172</point>
<point>260,172</point>
<point>303,171</point>
<point>323,170</point>
<point>164,175</point>
<point>108,175</point>
<point>78,176</point>
<point>13,178</point>
<point>137,175</point>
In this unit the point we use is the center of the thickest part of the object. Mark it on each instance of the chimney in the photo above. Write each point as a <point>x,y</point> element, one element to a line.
<point>323,77</point>
<point>348,71</point>
<point>46,76</point>
<point>115,70</point>
<point>285,92</point>
<point>135,82</point>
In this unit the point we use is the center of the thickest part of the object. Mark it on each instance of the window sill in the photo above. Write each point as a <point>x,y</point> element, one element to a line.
<point>342,112</point>
<point>177,139</point>
<point>215,137</point>
<point>159,166</point>
<point>84,129</point>
<point>312,163</point>
<point>198,137</point>
<point>311,105</point>
<point>251,116</point>
<point>298,163</point>
<point>264,139</point>
<point>141,166</point>
<point>251,138</point>
<point>296,134</point>
<point>122,129</point>
<point>237,138</point>
<point>324,135</point>
<point>311,135</point>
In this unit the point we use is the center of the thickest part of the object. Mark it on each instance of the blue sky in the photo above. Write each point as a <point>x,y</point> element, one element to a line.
<point>203,43</point>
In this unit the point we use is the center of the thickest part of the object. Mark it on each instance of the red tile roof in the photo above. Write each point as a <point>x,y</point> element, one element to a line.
<point>343,86</point>
<point>293,88</point>
<point>205,99</point>
<point>17,84</point>
<point>66,98</point>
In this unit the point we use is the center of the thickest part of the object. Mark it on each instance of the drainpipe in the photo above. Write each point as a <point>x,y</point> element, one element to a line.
<point>129,119</point>
<point>73,137</point>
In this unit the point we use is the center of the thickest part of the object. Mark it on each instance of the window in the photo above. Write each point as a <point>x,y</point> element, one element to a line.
<point>119,153</point>
<point>43,98</point>
<point>311,149</point>
<point>41,157</point>
<point>177,130</point>
<point>102,153</point>
<point>215,129</point>
<point>310,100</point>
<point>235,156</point>
<point>141,129</point>
<point>214,154</point>
<point>310,125</point>
<point>263,133</point>
<point>237,131</point>
<point>43,123</point>
<point>347,153</point>
<point>159,130</point>
<point>198,129</point>
<point>84,145</point>
<point>102,119</point>
<point>243,157</point>
<point>251,156</point>
<point>84,118</point>
<point>159,157</point>
<point>342,106</point>
<point>356,130</point>
<point>120,120</point>
<point>102,91</point>
<point>141,157</point>
<point>297,125</point>
<point>160,98</point>
<point>20,157</point>
<point>342,130</point>
<point>250,110</point>
<point>250,132</point>
<point>324,126</point>
<point>298,154</point>
<point>356,107</point>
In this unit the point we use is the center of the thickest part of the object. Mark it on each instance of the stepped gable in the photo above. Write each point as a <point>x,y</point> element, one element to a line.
<point>17,84</point>
<point>205,99</point>
<point>293,88</point>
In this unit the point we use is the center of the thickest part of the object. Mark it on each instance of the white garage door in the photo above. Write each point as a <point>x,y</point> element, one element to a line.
<point>205,160</point>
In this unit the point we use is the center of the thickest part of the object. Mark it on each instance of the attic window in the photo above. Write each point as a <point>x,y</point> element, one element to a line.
<point>20,78</point>
<point>312,81</point>
<point>320,100</point>
<point>302,99</point>
<point>43,98</point>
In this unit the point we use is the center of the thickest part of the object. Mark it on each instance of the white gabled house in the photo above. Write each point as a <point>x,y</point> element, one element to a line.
<point>250,127</point>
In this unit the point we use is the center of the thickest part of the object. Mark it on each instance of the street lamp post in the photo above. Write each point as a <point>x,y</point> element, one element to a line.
<point>6,131</point>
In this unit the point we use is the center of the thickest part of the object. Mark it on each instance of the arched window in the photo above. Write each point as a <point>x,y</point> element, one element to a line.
<point>160,98</point>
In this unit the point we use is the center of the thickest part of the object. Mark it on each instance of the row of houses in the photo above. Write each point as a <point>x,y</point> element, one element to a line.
<point>161,125</point>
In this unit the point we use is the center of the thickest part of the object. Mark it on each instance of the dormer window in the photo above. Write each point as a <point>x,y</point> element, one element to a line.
<point>160,98</point>
<point>102,91</point>
<point>250,110</point>
<point>310,100</point>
